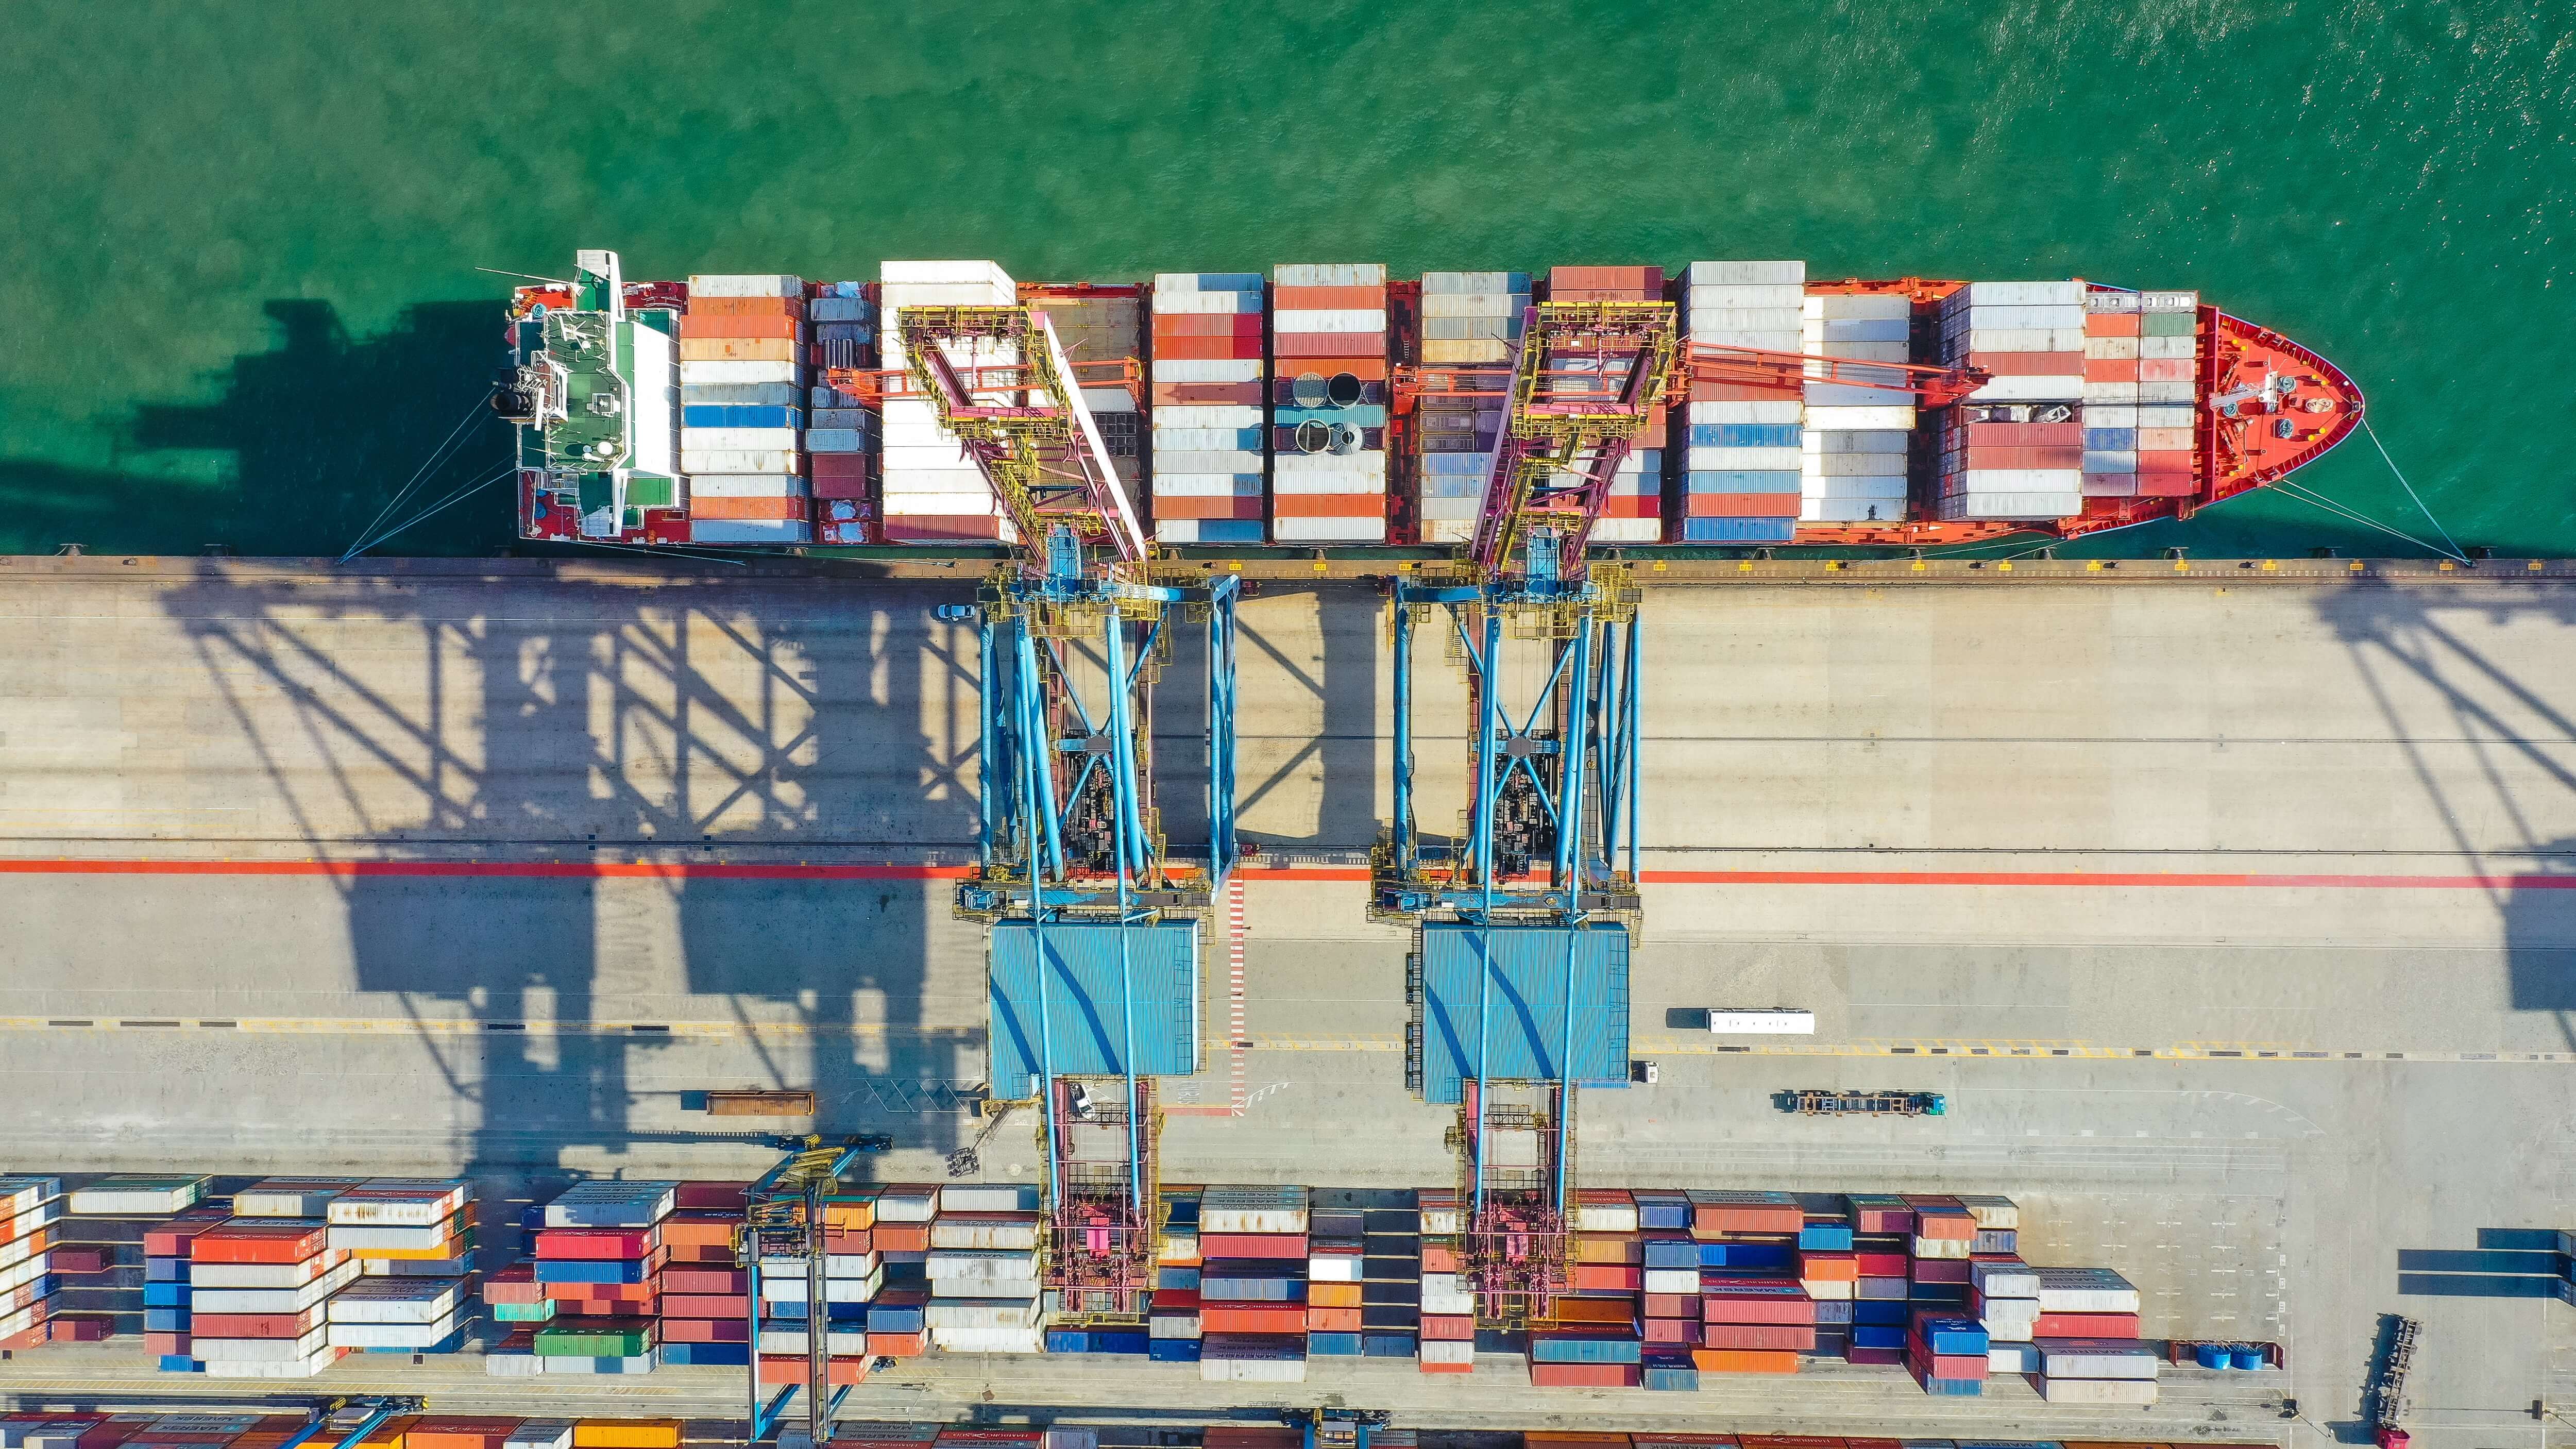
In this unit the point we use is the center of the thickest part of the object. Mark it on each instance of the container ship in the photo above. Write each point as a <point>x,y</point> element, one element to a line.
<point>1331,406</point>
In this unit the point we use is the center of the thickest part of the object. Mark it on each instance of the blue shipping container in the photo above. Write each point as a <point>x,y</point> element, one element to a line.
<point>179,1363</point>
<point>1952,1388</point>
<point>894,1317</point>
<point>590,1270</point>
<point>1834,1310</point>
<point>1866,1311</point>
<point>165,1270</point>
<point>1563,1348</point>
<point>1663,1210</point>
<point>1133,1341</point>
<point>707,1355</point>
<point>1333,1345</point>
<point>1772,1256</point>
<point>1682,1377</point>
<point>1877,1335</point>
<point>1365,415</point>
<point>1744,435</point>
<point>713,415</point>
<point>1673,1252</point>
<point>169,1320</point>
<point>1387,1345</point>
<point>1229,530</point>
<point>1174,1350</point>
<point>2111,440</point>
<point>1824,1238</point>
<point>1475,465</point>
<point>1067,1340</point>
<point>165,1295</point>
<point>1176,1278</point>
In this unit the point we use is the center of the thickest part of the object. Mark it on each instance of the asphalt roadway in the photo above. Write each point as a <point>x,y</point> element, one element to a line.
<point>2232,916</point>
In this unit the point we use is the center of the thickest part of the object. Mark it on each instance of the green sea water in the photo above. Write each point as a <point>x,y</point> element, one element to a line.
<point>238,267</point>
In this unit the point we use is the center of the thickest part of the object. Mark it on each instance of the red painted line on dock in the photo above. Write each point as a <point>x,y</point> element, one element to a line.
<point>722,870</point>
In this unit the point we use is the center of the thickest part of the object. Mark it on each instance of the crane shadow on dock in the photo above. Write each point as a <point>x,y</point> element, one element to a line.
<point>2440,695</point>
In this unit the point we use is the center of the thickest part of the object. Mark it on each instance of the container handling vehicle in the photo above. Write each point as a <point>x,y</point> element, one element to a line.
<point>1814,1102</point>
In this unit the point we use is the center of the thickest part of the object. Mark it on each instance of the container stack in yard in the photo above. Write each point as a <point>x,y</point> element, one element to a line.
<point>2014,449</point>
<point>1096,324</point>
<point>983,1270</point>
<point>1448,1309</point>
<point>1852,460</point>
<point>169,1295</point>
<point>597,1257</point>
<point>1209,414</point>
<point>933,493</point>
<point>2087,1337</point>
<point>1253,1244</point>
<point>705,1307</point>
<point>1633,511</point>
<point>1328,404</point>
<point>1743,476</point>
<point>260,1297</point>
<point>853,1284</point>
<point>1755,1315</point>
<point>842,433</point>
<point>2141,371</point>
<point>1336,1301</point>
<point>1174,1328</point>
<point>1390,1281</point>
<point>1469,319</point>
<point>28,1208</point>
<point>742,371</point>
<point>899,1316</point>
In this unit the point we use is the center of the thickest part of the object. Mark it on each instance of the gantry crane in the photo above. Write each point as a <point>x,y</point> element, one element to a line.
<point>1074,875</point>
<point>784,1222</point>
<point>1537,897</point>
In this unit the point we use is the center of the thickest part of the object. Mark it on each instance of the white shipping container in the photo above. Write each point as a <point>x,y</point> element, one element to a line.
<point>1474,304</point>
<point>1206,440</point>
<point>2007,1330</point>
<point>1941,1247</point>
<point>1252,1370</point>
<point>1743,460</point>
<point>2105,461</point>
<point>937,505</point>
<point>1451,1301</point>
<point>745,284</point>
<point>1855,307</point>
<point>274,1300</point>
<point>1328,530</point>
<point>1854,465</point>
<point>1863,418</point>
<point>950,1231</point>
<point>2171,349</point>
<point>2012,506</point>
<point>123,1197</point>
<point>989,1340</point>
<point>2110,485</point>
<point>1839,1289</point>
<point>2112,349</point>
<point>2166,415</point>
<point>541,1434</point>
<point>2168,301</point>
<point>1206,369</point>
<point>986,273</point>
<point>735,374</point>
<point>1207,485</point>
<point>2168,392</point>
<point>981,1312</point>
<point>1109,399</point>
<point>795,1289</point>
<point>1200,415</point>
<point>2114,393</point>
<point>1448,1350</point>
<point>1840,335</point>
<point>396,1300</point>
<point>1287,465</point>
<point>1329,274</point>
<point>1784,411</point>
<point>988,1264</point>
<point>2098,1358</point>
<point>392,1335</point>
<point>1339,481</point>
<point>2005,1280</point>
<point>838,1342</point>
<point>1858,440</point>
<point>2126,1393</point>
<point>2017,294</point>
<point>2011,480</point>
<point>1249,282</point>
<point>1742,274</point>
<point>2068,340</point>
<point>1992,318</point>
<point>2110,301</point>
<point>269,1350</point>
<point>1744,319</point>
<point>2011,1358</point>
<point>741,460</point>
<point>1347,320</point>
<point>1235,460</point>
<point>2053,388</point>
<point>898,296</point>
<point>282,1199</point>
<point>1672,1280</point>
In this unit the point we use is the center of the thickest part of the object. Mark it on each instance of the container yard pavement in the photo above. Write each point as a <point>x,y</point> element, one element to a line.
<point>593,842</point>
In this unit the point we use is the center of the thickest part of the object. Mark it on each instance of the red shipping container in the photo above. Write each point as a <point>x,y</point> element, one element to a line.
<point>708,1197</point>
<point>258,1243</point>
<point>1328,299</point>
<point>2011,435</point>
<point>1743,1361</point>
<point>1206,324</point>
<point>1741,505</point>
<point>1333,1320</point>
<point>703,1229</point>
<point>1950,1365</point>
<point>2112,324</point>
<point>2012,458</point>
<point>170,1240</point>
<point>1671,1330</point>
<point>1608,1277</point>
<point>80,1260</point>
<point>1942,1270</point>
<point>745,307</point>
<point>1882,1265</point>
<point>2166,486</point>
<point>1208,349</point>
<point>1757,1335</point>
<point>1622,1311</point>
<point>596,1244</point>
<point>1733,392</point>
<point>899,1345</point>
<point>1446,1368</point>
<point>705,1330</point>
<point>166,1345</point>
<point>703,1305</point>
<point>2085,1325</point>
<point>1207,394</point>
<point>843,1240</point>
<point>1448,1327</point>
<point>514,1284</point>
<point>1790,1308</point>
<point>1366,369</point>
<point>1290,345</point>
<point>258,1325</point>
<point>1191,506</point>
<point>1251,1318</point>
<point>707,1280</point>
<point>2167,369</point>
<point>1672,1305</point>
<point>745,508</point>
<point>1439,1258</point>
<point>1749,1217</point>
<point>785,1369</point>
<point>1648,280</point>
<point>1243,1245</point>
<point>2030,364</point>
<point>598,1292</point>
<point>2110,369</point>
<point>1585,1375</point>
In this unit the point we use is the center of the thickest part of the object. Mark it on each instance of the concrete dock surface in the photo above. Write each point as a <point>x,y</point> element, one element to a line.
<point>2236,922</point>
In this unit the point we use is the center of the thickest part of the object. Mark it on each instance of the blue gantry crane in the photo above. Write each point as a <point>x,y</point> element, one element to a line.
<point>1094,919</point>
<point>1520,971</point>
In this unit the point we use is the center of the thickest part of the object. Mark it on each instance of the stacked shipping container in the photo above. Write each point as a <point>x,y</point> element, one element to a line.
<point>1742,480</point>
<point>933,492</point>
<point>2015,448</point>
<point>842,434</point>
<point>1329,395</point>
<point>2141,375</point>
<point>260,1295</point>
<point>705,1307</point>
<point>1852,457</point>
<point>1208,414</point>
<point>28,1208</point>
<point>1469,319</point>
<point>2086,1334</point>
<point>169,1296</point>
<point>983,1269</point>
<point>895,1225</point>
<point>1633,512</point>
<point>1253,1245</point>
<point>598,1258</point>
<point>743,344</point>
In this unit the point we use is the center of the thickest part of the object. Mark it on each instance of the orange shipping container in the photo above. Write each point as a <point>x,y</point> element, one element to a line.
<point>1607,1278</point>
<point>1744,1361</point>
<point>1829,1267</point>
<point>1439,1258</point>
<point>2111,324</point>
<point>1206,324</point>
<point>745,307</point>
<point>737,349</point>
<point>1239,509</point>
<point>1332,1320</point>
<point>1251,1318</point>
<point>1333,1295</point>
<point>446,1432</point>
<point>1328,299</point>
<point>1596,1310</point>
<point>1208,349</point>
<point>781,1369</point>
<point>693,326</point>
<point>697,1230</point>
<point>902,1237</point>
<point>627,1433</point>
<point>1323,505</point>
<point>861,1212</point>
<point>771,508</point>
<point>2110,369</point>
<point>1609,1248</point>
<point>1288,346</point>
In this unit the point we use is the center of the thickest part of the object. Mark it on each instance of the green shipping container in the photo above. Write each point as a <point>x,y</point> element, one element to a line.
<point>590,1343</point>
<point>523,1312</point>
<point>2168,324</point>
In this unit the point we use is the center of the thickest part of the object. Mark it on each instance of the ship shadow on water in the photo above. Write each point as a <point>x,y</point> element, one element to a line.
<point>2510,817</point>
